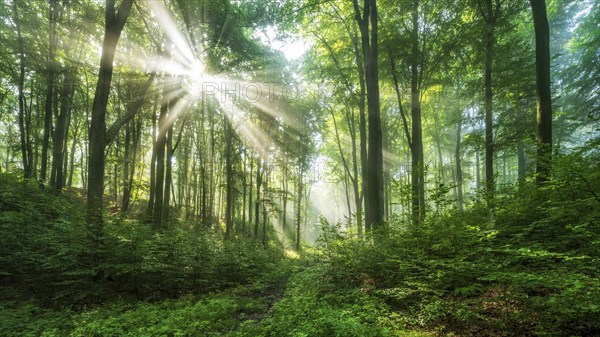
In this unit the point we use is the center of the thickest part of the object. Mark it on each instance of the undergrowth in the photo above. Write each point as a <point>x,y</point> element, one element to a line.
<point>528,269</point>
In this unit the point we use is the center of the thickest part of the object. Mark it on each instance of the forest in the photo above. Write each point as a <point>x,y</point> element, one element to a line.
<point>313,168</point>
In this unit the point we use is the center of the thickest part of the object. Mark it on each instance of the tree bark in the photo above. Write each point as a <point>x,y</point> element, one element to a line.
<point>543,92</point>
<point>152,192</point>
<point>299,207</point>
<point>490,16</point>
<point>60,132</point>
<point>459,173</point>
<point>229,177</point>
<point>368,20</point>
<point>417,159</point>
<point>114,23</point>
<point>168,172</point>
<point>264,207</point>
<point>22,127</point>
<point>159,146</point>
<point>250,204</point>
<point>51,70</point>
<point>521,162</point>
<point>258,198</point>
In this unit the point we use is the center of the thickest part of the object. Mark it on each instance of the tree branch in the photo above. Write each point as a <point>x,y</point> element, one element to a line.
<point>132,109</point>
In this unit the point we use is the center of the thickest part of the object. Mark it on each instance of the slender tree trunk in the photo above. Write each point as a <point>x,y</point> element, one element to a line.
<point>490,23</point>
<point>244,192</point>
<point>211,169</point>
<point>285,195</point>
<point>375,132</point>
<point>74,142</point>
<point>543,92</point>
<point>521,162</point>
<point>258,197</point>
<point>114,23</point>
<point>250,204</point>
<point>299,207</point>
<point>152,192</point>
<point>374,194</point>
<point>168,173</point>
<point>21,84</point>
<point>60,132</point>
<point>229,177</point>
<point>161,141</point>
<point>264,207</point>
<point>355,183</point>
<point>417,159</point>
<point>51,70</point>
<point>459,173</point>
<point>132,141</point>
<point>126,166</point>
<point>477,168</point>
<point>438,145</point>
<point>347,173</point>
<point>362,128</point>
<point>65,153</point>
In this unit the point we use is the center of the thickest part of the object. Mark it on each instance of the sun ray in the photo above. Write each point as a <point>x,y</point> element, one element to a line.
<point>179,44</point>
<point>174,111</point>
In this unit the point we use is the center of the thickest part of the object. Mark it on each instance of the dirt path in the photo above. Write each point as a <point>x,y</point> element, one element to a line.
<point>272,295</point>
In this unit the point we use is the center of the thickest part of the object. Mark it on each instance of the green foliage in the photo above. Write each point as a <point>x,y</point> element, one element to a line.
<point>51,287</point>
<point>316,306</point>
<point>182,317</point>
<point>532,268</point>
<point>42,239</point>
<point>211,315</point>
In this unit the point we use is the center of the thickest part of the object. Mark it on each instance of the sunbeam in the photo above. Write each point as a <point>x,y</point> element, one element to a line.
<point>179,45</point>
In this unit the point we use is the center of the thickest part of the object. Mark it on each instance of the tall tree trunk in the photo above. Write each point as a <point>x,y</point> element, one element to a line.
<point>126,166</point>
<point>258,198</point>
<point>264,207</point>
<point>362,126</point>
<point>355,182</point>
<point>21,84</point>
<point>417,159</point>
<point>543,92</point>
<point>168,172</point>
<point>521,162</point>
<point>134,129</point>
<point>211,170</point>
<point>152,191</point>
<point>459,173</point>
<point>374,194</point>
<point>285,195</point>
<point>477,168</point>
<point>60,132</point>
<point>299,207</point>
<point>114,23</point>
<point>490,16</point>
<point>347,172</point>
<point>51,71</point>
<point>250,204</point>
<point>438,145</point>
<point>229,177</point>
<point>375,133</point>
<point>65,153</point>
<point>161,141</point>
<point>244,192</point>
<point>74,142</point>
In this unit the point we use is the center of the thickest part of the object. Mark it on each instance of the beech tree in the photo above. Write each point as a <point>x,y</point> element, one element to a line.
<point>367,20</point>
<point>113,26</point>
<point>544,96</point>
